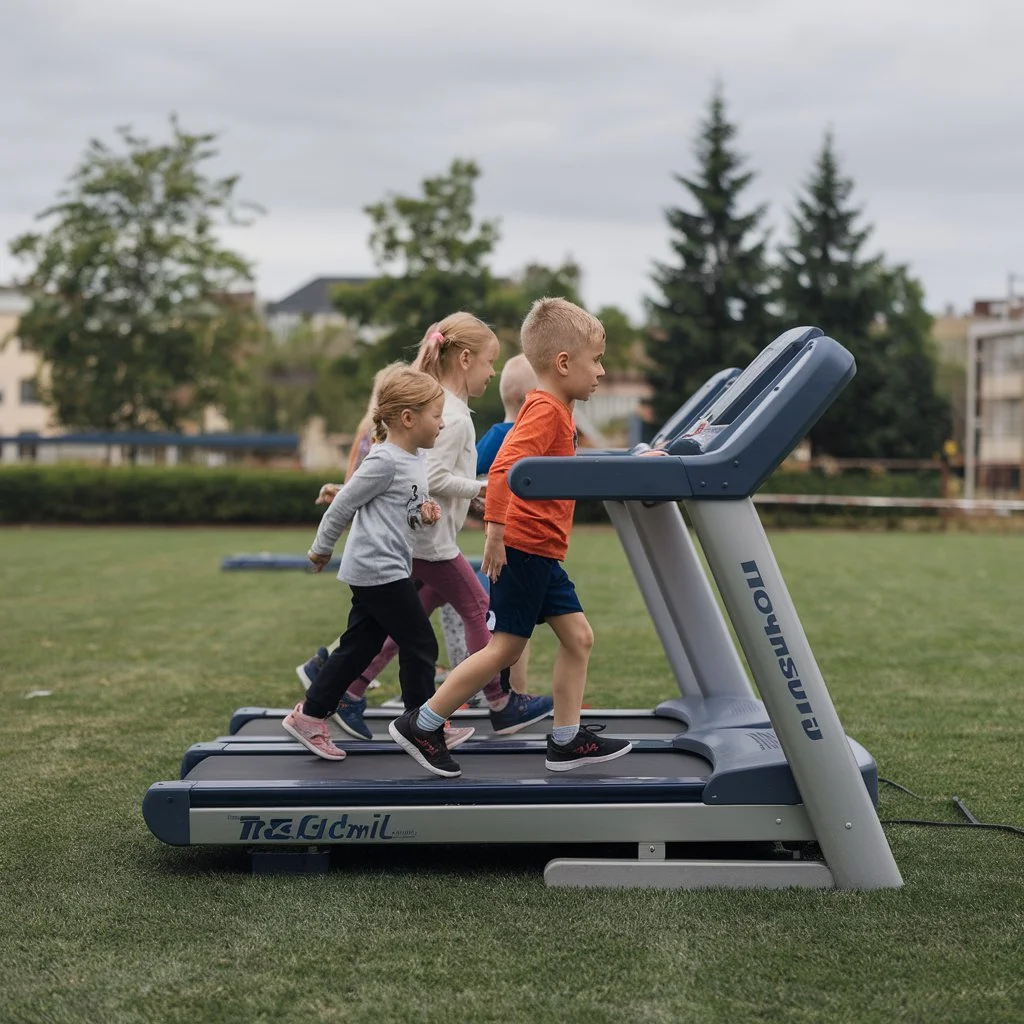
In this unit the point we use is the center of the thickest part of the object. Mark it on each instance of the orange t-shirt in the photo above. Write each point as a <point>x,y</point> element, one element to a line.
<point>544,426</point>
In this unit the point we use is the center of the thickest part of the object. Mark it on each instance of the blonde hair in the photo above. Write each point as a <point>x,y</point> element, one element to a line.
<point>443,340</point>
<point>365,429</point>
<point>557,325</point>
<point>517,377</point>
<point>401,387</point>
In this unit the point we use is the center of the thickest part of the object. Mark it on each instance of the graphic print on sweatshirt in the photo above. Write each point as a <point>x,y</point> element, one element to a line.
<point>413,514</point>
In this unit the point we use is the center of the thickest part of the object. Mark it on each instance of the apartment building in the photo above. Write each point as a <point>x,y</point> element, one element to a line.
<point>994,449</point>
<point>21,412</point>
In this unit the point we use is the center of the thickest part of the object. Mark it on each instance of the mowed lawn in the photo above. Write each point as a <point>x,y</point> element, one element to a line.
<point>146,647</point>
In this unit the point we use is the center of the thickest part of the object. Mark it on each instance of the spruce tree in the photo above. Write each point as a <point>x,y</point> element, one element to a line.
<point>910,418</point>
<point>712,311</point>
<point>890,409</point>
<point>825,280</point>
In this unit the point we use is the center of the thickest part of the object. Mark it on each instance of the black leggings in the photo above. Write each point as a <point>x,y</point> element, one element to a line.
<point>392,609</point>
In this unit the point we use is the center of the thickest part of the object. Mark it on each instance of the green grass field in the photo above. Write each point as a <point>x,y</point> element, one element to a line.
<point>148,647</point>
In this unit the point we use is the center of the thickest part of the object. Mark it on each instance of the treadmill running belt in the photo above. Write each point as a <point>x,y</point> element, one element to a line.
<point>512,767</point>
<point>633,725</point>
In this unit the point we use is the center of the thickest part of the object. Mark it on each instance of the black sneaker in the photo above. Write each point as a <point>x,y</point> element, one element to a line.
<point>427,748</point>
<point>586,747</point>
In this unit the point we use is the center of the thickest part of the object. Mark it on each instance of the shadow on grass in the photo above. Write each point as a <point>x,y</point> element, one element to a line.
<point>463,860</point>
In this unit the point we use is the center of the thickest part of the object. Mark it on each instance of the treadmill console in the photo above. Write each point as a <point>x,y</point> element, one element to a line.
<point>723,443</point>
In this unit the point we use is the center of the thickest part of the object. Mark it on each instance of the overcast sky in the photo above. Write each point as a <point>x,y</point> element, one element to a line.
<point>578,112</point>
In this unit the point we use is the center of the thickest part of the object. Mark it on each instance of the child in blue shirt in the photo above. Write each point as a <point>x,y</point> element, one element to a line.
<point>517,378</point>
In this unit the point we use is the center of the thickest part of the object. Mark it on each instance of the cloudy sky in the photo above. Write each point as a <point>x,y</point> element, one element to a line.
<point>578,112</point>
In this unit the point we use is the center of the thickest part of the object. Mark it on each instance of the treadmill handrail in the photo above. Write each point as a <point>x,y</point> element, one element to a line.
<point>739,459</point>
<point>601,478</point>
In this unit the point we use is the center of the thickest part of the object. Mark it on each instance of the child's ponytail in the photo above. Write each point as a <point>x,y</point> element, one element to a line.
<point>380,428</point>
<point>445,339</point>
<point>428,359</point>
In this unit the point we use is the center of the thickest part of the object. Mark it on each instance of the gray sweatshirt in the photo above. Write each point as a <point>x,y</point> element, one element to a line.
<point>382,502</point>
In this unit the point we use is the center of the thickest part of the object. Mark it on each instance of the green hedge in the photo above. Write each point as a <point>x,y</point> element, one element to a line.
<point>81,494</point>
<point>876,485</point>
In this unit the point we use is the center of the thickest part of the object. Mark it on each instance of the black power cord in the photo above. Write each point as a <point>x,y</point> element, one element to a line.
<point>971,822</point>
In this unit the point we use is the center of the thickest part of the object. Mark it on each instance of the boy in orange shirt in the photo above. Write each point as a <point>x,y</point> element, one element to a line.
<point>526,542</point>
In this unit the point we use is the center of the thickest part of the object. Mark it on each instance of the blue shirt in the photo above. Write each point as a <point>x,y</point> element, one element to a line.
<point>488,445</point>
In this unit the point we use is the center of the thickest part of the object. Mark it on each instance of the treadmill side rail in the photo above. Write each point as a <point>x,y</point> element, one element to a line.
<point>509,823</point>
<point>611,873</point>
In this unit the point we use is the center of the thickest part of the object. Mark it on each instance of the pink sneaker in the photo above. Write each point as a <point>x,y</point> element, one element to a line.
<point>312,734</point>
<point>455,736</point>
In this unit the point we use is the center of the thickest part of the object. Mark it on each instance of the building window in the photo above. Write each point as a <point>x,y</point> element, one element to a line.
<point>27,451</point>
<point>1003,355</point>
<point>1002,418</point>
<point>28,392</point>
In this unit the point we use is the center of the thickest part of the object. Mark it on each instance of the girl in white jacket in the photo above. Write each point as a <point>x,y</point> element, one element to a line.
<point>459,352</point>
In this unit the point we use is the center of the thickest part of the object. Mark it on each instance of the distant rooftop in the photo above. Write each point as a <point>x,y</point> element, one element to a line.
<point>1011,308</point>
<point>312,298</point>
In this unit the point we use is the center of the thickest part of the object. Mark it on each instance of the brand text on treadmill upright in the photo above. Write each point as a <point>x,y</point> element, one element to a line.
<point>772,630</point>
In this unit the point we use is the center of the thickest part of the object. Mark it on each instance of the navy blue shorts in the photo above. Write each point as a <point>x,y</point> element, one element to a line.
<point>530,589</point>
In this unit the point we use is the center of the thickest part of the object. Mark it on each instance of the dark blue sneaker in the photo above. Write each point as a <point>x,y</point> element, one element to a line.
<point>308,672</point>
<point>520,711</point>
<point>350,717</point>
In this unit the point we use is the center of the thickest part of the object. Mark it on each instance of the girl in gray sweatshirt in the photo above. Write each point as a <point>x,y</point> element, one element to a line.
<point>384,503</point>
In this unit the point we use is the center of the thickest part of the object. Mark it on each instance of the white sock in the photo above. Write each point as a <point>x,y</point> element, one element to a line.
<point>563,734</point>
<point>428,720</point>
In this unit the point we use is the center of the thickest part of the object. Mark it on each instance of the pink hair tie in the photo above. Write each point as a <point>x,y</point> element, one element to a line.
<point>437,338</point>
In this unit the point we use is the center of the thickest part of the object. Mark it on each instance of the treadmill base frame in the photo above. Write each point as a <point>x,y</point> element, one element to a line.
<point>611,873</point>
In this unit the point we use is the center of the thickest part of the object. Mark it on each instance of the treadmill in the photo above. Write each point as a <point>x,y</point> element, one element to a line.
<point>707,671</point>
<point>793,780</point>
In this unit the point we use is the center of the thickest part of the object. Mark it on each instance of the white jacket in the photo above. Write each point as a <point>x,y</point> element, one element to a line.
<point>451,480</point>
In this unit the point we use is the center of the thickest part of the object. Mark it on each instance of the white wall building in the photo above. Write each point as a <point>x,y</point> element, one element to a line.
<point>21,412</point>
<point>994,453</point>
